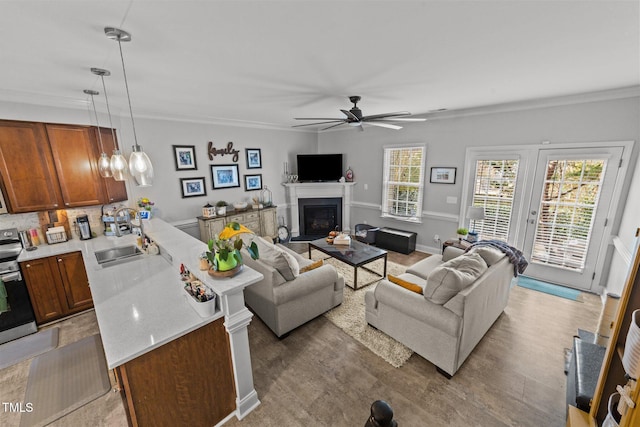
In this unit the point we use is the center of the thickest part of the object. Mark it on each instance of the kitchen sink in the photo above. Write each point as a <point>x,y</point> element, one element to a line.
<point>112,255</point>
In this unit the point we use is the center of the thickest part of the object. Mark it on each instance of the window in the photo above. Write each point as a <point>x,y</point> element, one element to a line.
<point>494,190</point>
<point>403,183</point>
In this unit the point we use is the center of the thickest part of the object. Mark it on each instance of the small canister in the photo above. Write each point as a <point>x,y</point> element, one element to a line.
<point>25,239</point>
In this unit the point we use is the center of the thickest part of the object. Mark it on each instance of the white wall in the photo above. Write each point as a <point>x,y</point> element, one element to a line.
<point>448,137</point>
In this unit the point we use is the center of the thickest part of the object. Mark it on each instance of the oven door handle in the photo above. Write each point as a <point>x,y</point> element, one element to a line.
<point>11,277</point>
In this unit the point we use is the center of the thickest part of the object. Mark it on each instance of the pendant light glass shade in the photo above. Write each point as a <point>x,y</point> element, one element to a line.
<point>140,165</point>
<point>104,165</point>
<point>118,166</point>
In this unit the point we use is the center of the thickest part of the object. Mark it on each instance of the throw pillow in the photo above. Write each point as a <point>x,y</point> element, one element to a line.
<point>449,278</point>
<point>277,258</point>
<point>405,284</point>
<point>312,266</point>
<point>489,254</point>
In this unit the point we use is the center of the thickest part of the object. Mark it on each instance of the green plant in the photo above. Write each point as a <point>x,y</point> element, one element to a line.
<point>221,203</point>
<point>462,231</point>
<point>228,242</point>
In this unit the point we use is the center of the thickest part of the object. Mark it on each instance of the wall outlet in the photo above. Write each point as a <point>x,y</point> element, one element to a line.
<point>436,238</point>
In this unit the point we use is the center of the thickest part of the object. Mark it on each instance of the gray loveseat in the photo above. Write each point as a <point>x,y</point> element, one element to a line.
<point>286,298</point>
<point>447,318</point>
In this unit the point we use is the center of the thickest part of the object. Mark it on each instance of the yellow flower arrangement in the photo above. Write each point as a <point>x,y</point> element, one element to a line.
<point>229,243</point>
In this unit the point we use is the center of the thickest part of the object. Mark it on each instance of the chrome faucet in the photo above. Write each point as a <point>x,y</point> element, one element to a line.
<point>135,212</point>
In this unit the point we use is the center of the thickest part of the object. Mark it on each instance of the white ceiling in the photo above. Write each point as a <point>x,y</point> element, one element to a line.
<point>266,62</point>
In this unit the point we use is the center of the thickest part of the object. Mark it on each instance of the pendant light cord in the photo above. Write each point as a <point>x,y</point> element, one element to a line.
<point>113,135</point>
<point>126,85</point>
<point>97,124</point>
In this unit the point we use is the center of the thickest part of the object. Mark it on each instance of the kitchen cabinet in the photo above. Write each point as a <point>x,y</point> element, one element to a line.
<point>187,381</point>
<point>115,191</point>
<point>75,154</point>
<point>28,177</point>
<point>53,166</point>
<point>57,285</point>
<point>261,221</point>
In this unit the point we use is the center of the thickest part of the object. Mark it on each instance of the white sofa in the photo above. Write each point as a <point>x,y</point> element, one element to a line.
<point>447,330</point>
<point>285,298</point>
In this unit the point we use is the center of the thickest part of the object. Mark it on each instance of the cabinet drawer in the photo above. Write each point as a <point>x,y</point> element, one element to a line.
<point>237,218</point>
<point>253,226</point>
<point>252,216</point>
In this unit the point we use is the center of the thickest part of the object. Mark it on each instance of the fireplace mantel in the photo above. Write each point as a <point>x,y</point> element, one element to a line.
<point>311,190</point>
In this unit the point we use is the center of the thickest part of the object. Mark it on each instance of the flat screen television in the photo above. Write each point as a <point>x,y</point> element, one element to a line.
<point>319,167</point>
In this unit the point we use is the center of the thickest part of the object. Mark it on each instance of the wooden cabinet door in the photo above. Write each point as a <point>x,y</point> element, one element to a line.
<point>214,227</point>
<point>29,179</point>
<point>74,281</point>
<point>76,160</point>
<point>43,280</point>
<point>115,191</point>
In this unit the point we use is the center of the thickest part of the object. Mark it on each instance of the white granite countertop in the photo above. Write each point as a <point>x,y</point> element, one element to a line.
<point>140,304</point>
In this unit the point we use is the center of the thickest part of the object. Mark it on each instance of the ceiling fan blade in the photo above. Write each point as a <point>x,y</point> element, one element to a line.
<point>350,115</point>
<point>318,118</point>
<point>384,125</point>
<point>318,123</point>
<point>382,116</point>
<point>339,124</point>
<point>401,119</point>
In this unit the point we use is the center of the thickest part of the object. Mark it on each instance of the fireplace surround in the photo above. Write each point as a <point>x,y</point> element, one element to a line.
<point>318,190</point>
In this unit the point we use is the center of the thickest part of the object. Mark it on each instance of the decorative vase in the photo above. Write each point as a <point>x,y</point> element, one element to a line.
<point>229,264</point>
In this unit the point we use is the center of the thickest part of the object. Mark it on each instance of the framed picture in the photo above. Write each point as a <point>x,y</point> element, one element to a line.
<point>254,158</point>
<point>253,182</point>
<point>192,187</point>
<point>185,157</point>
<point>443,175</point>
<point>225,176</point>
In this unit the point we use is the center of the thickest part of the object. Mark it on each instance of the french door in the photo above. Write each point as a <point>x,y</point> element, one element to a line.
<point>571,195</point>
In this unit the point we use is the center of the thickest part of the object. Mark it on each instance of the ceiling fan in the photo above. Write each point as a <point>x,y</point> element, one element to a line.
<point>355,118</point>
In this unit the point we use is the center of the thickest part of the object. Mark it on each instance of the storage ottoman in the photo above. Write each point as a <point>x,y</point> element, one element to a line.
<point>396,240</point>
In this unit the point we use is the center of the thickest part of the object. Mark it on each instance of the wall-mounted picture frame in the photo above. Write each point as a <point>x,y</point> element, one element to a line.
<point>443,175</point>
<point>185,157</point>
<point>193,187</point>
<point>254,158</point>
<point>225,176</point>
<point>253,182</point>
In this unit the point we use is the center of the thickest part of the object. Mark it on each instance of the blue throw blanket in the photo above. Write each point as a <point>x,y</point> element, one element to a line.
<point>516,258</point>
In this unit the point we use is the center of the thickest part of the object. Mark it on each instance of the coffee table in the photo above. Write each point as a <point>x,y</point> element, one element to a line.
<point>355,254</point>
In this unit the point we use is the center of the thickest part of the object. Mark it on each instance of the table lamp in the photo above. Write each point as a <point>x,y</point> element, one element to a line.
<point>474,213</point>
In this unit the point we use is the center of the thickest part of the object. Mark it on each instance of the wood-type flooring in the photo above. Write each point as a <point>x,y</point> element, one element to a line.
<point>319,376</point>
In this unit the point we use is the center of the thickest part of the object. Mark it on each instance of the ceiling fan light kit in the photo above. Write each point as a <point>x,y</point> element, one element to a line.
<point>355,118</point>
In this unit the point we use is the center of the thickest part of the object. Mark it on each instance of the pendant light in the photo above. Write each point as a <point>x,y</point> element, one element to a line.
<point>117,163</point>
<point>103,162</point>
<point>140,165</point>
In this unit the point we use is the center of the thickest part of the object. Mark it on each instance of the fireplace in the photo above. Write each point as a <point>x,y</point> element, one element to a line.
<point>318,216</point>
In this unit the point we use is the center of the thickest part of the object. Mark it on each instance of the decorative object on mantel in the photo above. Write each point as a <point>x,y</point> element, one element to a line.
<point>140,165</point>
<point>254,158</point>
<point>225,259</point>
<point>185,157</point>
<point>213,151</point>
<point>349,174</point>
<point>208,211</point>
<point>192,187</point>
<point>225,176</point>
<point>253,182</point>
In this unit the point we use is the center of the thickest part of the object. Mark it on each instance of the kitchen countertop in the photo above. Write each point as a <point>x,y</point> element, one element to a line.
<point>140,304</point>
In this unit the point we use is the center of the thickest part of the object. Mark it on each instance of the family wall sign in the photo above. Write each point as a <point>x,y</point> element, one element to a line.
<point>228,150</point>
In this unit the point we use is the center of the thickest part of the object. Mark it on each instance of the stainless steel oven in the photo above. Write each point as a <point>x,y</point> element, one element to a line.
<point>18,320</point>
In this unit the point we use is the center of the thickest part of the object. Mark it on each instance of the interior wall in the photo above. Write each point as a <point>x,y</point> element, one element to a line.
<point>447,137</point>
<point>156,136</point>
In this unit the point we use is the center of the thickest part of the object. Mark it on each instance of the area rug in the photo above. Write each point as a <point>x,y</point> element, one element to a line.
<point>62,380</point>
<point>27,347</point>
<point>549,288</point>
<point>349,316</point>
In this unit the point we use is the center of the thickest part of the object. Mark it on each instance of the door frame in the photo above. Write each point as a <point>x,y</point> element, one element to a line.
<point>528,155</point>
